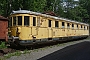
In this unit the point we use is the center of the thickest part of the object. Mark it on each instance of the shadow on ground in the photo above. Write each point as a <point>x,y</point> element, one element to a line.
<point>80,51</point>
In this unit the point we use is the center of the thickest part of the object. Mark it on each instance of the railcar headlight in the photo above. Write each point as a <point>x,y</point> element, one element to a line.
<point>18,29</point>
<point>9,30</point>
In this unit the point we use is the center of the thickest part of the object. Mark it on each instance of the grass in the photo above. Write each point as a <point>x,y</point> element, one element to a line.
<point>2,45</point>
<point>2,58</point>
<point>17,53</point>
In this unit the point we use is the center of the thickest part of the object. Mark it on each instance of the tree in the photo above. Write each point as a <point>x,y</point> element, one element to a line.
<point>86,5</point>
<point>55,6</point>
<point>38,5</point>
<point>3,6</point>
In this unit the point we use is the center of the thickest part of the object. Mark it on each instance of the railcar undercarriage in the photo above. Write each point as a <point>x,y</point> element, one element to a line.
<point>16,41</point>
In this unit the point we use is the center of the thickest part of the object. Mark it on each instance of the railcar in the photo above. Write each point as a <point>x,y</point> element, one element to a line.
<point>28,27</point>
<point>3,29</point>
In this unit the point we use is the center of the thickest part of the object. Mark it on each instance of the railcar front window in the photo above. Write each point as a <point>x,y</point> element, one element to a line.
<point>14,21</point>
<point>19,20</point>
<point>26,20</point>
<point>34,21</point>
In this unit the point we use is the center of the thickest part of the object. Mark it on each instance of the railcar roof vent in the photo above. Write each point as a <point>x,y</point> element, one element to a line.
<point>19,8</point>
<point>50,13</point>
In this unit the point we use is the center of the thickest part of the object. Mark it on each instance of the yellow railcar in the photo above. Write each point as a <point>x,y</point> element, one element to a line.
<point>29,27</point>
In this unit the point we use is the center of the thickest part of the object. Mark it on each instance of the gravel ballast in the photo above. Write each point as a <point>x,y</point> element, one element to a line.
<point>41,52</point>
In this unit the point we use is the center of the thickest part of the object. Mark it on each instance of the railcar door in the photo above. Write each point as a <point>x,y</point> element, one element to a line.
<point>50,32</point>
<point>34,28</point>
<point>49,28</point>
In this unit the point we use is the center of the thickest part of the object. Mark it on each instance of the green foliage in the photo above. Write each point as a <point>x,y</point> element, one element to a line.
<point>86,5</point>
<point>80,12</point>
<point>2,45</point>
<point>38,5</point>
<point>77,13</point>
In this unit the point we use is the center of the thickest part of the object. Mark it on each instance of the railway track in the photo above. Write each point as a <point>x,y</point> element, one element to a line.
<point>22,48</point>
<point>31,47</point>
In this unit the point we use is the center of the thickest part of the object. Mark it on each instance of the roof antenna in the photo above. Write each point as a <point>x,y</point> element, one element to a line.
<point>19,8</point>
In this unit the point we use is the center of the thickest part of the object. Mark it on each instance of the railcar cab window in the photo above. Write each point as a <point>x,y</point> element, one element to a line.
<point>49,23</point>
<point>34,21</point>
<point>63,24</point>
<point>26,20</point>
<point>19,20</point>
<point>68,25</point>
<point>14,21</point>
<point>56,24</point>
<point>72,26</point>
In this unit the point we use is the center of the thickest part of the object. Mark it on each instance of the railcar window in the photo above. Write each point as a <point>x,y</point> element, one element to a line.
<point>26,20</point>
<point>81,26</point>
<point>68,25</point>
<point>19,20</point>
<point>72,26</point>
<point>34,21</point>
<point>87,27</point>
<point>77,26</point>
<point>49,23</point>
<point>14,21</point>
<point>63,24</point>
<point>56,24</point>
<point>84,27</point>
